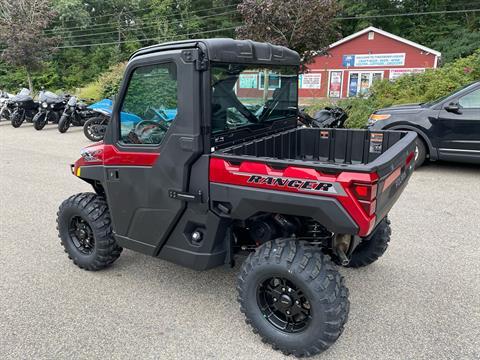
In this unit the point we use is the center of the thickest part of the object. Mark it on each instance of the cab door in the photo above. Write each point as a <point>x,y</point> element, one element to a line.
<point>458,128</point>
<point>154,139</point>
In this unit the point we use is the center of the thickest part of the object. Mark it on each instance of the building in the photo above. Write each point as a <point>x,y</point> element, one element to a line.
<point>352,64</point>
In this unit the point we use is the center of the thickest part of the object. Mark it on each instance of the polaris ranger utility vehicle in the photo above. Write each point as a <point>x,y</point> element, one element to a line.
<point>231,173</point>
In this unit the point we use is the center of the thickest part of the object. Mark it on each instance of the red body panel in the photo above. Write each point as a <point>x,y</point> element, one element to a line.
<point>109,155</point>
<point>223,172</point>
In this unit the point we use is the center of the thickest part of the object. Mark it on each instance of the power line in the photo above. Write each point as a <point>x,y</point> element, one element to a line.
<point>150,25</point>
<point>406,14</point>
<point>83,28</point>
<point>149,39</point>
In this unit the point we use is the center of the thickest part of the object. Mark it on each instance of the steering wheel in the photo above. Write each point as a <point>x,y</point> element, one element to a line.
<point>146,125</point>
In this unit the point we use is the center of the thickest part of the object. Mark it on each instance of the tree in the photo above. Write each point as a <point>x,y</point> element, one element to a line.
<point>302,25</point>
<point>21,30</point>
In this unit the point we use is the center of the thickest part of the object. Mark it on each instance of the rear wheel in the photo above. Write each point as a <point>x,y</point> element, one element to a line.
<point>372,247</point>
<point>85,231</point>
<point>293,297</point>
<point>420,152</point>
<point>64,123</point>
<point>94,128</point>
<point>39,121</point>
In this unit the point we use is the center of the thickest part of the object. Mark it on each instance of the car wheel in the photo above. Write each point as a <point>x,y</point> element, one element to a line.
<point>420,152</point>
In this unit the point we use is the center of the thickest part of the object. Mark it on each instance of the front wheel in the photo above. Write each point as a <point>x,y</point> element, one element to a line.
<point>372,247</point>
<point>39,120</point>
<point>293,297</point>
<point>85,231</point>
<point>420,152</point>
<point>17,118</point>
<point>5,113</point>
<point>94,128</point>
<point>64,123</point>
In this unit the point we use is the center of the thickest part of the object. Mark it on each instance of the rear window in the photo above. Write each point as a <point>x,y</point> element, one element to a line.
<point>251,95</point>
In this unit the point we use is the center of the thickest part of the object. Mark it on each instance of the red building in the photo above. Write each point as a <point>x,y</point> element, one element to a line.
<point>353,63</point>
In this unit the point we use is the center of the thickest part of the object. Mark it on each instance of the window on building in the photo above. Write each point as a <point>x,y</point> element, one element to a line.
<point>274,80</point>
<point>359,82</point>
<point>371,35</point>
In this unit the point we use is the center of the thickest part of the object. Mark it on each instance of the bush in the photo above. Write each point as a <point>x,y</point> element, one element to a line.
<point>109,82</point>
<point>415,88</point>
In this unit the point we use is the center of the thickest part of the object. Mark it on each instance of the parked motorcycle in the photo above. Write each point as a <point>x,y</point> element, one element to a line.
<point>95,127</point>
<point>76,113</point>
<point>328,118</point>
<point>23,108</point>
<point>5,111</point>
<point>50,106</point>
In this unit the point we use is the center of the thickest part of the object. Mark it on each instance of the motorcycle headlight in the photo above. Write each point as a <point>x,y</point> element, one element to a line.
<point>377,117</point>
<point>44,105</point>
<point>52,106</point>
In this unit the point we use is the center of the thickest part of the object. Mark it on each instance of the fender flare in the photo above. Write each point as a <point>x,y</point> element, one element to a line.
<point>432,151</point>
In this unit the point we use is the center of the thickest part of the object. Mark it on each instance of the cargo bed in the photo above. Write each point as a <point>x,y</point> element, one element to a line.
<point>327,150</point>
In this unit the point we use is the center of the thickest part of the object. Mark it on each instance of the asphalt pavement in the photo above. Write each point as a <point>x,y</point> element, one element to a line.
<point>420,301</point>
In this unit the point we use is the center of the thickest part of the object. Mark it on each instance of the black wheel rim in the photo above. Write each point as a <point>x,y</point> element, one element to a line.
<point>284,305</point>
<point>81,235</point>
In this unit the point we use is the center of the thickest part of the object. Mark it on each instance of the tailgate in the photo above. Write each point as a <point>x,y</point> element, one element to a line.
<point>394,173</point>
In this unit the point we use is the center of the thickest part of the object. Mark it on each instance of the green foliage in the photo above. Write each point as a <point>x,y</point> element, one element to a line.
<point>415,88</point>
<point>110,81</point>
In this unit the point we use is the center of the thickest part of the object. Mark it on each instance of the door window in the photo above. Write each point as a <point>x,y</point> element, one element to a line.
<point>150,104</point>
<point>471,100</point>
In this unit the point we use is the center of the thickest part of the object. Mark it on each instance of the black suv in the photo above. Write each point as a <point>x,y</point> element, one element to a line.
<point>448,128</point>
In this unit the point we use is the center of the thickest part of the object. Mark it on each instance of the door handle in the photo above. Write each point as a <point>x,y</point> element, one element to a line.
<point>113,175</point>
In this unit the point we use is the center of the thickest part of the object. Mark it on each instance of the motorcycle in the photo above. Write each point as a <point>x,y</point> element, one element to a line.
<point>50,106</point>
<point>5,111</point>
<point>95,127</point>
<point>327,118</point>
<point>23,108</point>
<point>76,113</point>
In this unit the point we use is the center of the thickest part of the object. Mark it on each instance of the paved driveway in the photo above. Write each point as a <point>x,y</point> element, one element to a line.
<point>420,301</point>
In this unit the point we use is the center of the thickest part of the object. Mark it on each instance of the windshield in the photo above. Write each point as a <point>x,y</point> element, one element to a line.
<point>252,95</point>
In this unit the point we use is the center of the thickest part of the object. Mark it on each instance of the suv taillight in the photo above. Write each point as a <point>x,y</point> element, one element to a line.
<point>366,194</point>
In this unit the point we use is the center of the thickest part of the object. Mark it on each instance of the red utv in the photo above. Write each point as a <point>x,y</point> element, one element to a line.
<point>233,173</point>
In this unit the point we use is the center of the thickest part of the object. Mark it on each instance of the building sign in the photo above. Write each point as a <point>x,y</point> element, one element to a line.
<point>248,81</point>
<point>397,59</point>
<point>396,73</point>
<point>310,81</point>
<point>335,85</point>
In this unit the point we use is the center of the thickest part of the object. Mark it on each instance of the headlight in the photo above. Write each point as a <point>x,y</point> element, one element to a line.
<point>52,106</point>
<point>376,117</point>
<point>44,105</point>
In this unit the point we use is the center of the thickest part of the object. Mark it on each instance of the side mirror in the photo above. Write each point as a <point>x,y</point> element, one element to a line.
<point>453,107</point>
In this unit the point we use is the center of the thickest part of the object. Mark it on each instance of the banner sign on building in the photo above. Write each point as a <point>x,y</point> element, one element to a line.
<point>396,73</point>
<point>397,59</point>
<point>310,81</point>
<point>335,85</point>
<point>248,81</point>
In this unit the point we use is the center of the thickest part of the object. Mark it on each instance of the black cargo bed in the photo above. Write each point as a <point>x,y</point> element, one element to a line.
<point>328,150</point>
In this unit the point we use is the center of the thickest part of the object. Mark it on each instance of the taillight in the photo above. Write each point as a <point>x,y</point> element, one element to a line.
<point>366,194</point>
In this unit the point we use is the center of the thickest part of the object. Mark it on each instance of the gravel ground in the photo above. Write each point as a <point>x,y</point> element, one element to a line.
<point>420,301</point>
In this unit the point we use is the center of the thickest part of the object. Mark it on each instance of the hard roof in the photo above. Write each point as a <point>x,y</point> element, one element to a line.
<point>387,34</point>
<point>230,50</point>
